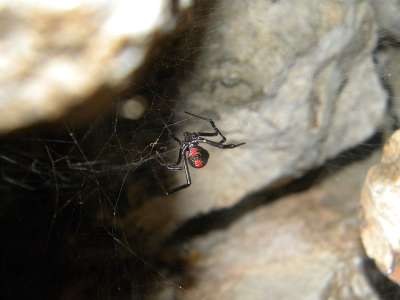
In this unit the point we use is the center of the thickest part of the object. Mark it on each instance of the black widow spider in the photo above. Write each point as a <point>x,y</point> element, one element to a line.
<point>189,149</point>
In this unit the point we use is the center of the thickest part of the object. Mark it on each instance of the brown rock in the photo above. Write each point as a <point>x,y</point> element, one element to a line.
<point>381,210</point>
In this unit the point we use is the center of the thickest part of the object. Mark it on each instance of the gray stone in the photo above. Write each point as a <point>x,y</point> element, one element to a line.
<point>388,59</point>
<point>387,13</point>
<point>294,80</point>
<point>388,56</point>
<point>304,246</point>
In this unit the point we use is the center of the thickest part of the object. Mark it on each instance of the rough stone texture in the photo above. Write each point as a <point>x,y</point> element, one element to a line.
<point>387,14</point>
<point>388,59</point>
<point>293,79</point>
<point>55,54</point>
<point>381,210</point>
<point>388,55</point>
<point>304,246</point>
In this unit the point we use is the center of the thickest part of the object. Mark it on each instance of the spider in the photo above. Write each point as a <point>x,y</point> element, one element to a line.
<point>189,150</point>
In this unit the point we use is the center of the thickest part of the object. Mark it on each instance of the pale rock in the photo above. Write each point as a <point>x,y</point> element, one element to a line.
<point>294,80</point>
<point>304,246</point>
<point>387,13</point>
<point>381,210</point>
<point>57,54</point>
<point>388,58</point>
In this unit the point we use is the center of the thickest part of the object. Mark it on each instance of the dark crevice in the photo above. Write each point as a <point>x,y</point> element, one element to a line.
<point>384,287</point>
<point>223,218</point>
<point>386,42</point>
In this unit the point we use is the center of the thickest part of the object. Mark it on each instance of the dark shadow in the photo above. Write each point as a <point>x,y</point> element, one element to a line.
<point>384,287</point>
<point>171,60</point>
<point>385,42</point>
<point>63,187</point>
<point>222,218</point>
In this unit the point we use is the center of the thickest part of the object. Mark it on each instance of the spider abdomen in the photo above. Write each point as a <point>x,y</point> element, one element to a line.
<point>197,157</point>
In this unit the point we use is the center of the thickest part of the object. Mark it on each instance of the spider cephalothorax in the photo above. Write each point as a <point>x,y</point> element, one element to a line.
<point>189,150</point>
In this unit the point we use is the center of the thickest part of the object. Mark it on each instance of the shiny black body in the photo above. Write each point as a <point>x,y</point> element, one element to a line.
<point>191,141</point>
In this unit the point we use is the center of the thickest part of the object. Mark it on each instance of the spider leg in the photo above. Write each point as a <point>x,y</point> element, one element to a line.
<point>173,167</point>
<point>216,130</point>
<point>220,145</point>
<point>188,179</point>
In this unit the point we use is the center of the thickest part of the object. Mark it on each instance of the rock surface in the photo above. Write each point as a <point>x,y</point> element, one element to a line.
<point>388,58</point>
<point>294,80</point>
<point>57,54</point>
<point>303,246</point>
<point>387,15</point>
<point>381,210</point>
<point>388,54</point>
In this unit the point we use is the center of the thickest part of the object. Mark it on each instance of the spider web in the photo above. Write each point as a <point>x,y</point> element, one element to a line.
<point>65,192</point>
<point>67,189</point>
<point>71,187</point>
